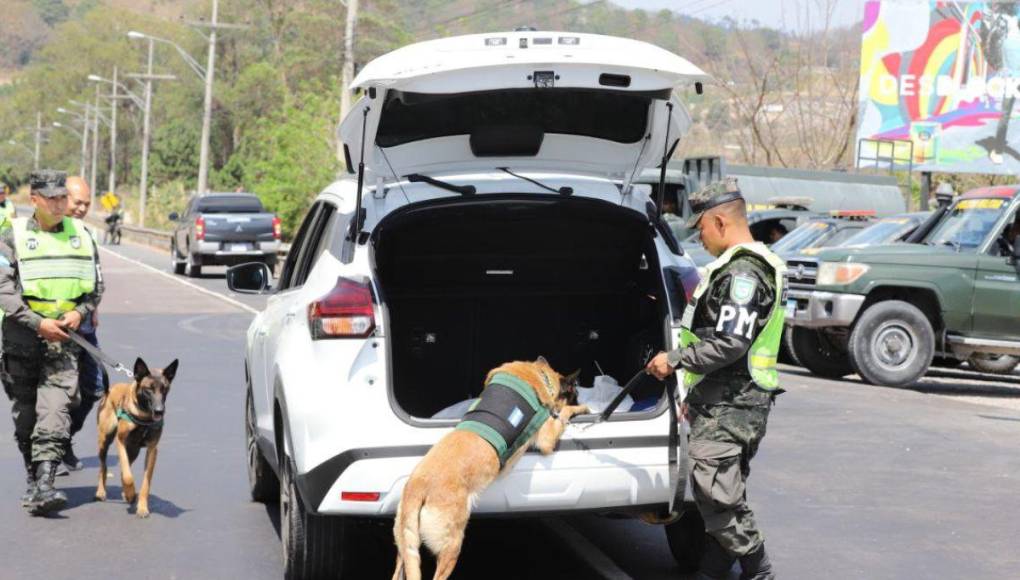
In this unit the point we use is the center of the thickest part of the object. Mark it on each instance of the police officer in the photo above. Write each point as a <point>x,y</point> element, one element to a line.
<point>49,283</point>
<point>6,205</point>
<point>729,341</point>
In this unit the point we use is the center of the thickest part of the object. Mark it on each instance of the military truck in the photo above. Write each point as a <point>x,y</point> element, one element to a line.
<point>885,312</point>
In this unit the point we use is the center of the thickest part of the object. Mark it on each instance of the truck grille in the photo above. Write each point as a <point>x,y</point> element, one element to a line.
<point>802,273</point>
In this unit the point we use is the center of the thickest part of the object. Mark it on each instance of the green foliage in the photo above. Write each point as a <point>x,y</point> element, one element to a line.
<point>52,12</point>
<point>287,158</point>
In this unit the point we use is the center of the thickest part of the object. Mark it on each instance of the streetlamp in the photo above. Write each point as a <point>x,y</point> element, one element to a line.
<point>80,135</point>
<point>114,98</point>
<point>96,116</point>
<point>206,74</point>
<point>84,120</point>
<point>147,114</point>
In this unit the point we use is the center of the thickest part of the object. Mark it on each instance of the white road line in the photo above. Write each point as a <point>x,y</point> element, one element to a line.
<point>587,551</point>
<point>226,299</point>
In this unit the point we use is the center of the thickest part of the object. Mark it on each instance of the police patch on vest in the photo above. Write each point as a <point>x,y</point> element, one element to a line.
<point>75,242</point>
<point>742,289</point>
<point>32,243</point>
<point>737,321</point>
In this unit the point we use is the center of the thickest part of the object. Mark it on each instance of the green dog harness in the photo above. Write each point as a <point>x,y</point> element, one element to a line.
<point>507,415</point>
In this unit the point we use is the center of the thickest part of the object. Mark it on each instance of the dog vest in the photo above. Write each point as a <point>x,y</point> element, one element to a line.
<point>506,415</point>
<point>55,268</point>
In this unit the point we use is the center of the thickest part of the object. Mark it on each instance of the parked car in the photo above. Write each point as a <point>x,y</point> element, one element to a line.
<point>514,231</point>
<point>886,311</point>
<point>223,229</point>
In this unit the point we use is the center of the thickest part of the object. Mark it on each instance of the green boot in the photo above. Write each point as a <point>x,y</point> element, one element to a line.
<point>30,480</point>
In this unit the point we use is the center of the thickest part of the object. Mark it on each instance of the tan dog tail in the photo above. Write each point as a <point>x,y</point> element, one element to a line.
<point>405,532</point>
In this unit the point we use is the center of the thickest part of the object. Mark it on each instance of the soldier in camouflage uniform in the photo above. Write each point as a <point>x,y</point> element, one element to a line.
<point>40,365</point>
<point>729,342</point>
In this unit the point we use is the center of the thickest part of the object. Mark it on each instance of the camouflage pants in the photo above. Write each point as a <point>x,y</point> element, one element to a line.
<point>723,440</point>
<point>43,389</point>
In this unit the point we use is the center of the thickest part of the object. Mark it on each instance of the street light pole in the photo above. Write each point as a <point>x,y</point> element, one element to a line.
<point>38,140</point>
<point>95,143</point>
<point>144,187</point>
<point>203,161</point>
<point>113,134</point>
<point>347,71</point>
<point>83,135</point>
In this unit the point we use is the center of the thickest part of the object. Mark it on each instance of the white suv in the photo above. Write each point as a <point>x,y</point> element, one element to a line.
<point>499,221</point>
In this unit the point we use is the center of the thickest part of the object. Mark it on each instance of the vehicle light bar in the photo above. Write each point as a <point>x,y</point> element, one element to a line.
<point>852,213</point>
<point>360,496</point>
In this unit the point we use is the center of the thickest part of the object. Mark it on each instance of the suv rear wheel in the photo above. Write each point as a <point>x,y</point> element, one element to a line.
<point>176,263</point>
<point>313,546</point>
<point>817,352</point>
<point>999,364</point>
<point>892,344</point>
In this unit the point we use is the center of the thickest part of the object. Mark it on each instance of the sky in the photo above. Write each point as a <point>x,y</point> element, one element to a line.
<point>782,14</point>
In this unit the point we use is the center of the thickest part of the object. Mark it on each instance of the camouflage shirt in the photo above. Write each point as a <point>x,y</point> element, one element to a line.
<point>21,324</point>
<point>721,354</point>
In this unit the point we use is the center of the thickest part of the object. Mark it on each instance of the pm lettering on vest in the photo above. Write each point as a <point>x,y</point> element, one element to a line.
<point>736,320</point>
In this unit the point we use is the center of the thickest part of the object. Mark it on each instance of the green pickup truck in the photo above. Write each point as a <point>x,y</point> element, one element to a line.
<point>886,312</point>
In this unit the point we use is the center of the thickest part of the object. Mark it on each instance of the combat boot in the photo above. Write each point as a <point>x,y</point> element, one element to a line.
<point>716,562</point>
<point>30,480</point>
<point>756,565</point>
<point>47,499</point>
<point>71,460</point>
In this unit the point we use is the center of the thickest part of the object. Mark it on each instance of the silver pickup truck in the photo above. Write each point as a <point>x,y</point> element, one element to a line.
<point>223,229</point>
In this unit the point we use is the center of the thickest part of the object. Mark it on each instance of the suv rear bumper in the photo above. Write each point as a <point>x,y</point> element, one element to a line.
<point>582,475</point>
<point>816,309</point>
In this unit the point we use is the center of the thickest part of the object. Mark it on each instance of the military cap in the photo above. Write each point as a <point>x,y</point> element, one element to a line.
<point>712,195</point>
<point>48,182</point>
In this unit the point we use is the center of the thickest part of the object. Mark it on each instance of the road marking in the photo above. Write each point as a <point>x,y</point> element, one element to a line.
<point>586,550</point>
<point>192,285</point>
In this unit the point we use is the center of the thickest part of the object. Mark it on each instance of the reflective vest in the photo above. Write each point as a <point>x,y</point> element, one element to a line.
<point>761,358</point>
<point>507,414</point>
<point>7,210</point>
<point>55,268</point>
<point>5,221</point>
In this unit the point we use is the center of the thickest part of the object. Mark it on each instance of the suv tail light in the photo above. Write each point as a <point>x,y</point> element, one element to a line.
<point>345,312</point>
<point>200,228</point>
<point>277,228</point>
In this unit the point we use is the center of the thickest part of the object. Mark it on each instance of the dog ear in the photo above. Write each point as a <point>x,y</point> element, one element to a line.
<point>572,378</point>
<point>141,369</point>
<point>541,360</point>
<point>170,371</point>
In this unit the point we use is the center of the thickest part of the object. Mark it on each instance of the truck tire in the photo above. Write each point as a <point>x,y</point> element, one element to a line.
<point>686,538</point>
<point>815,351</point>
<point>892,344</point>
<point>313,546</point>
<point>998,364</point>
<point>176,263</point>
<point>191,268</point>
<point>786,354</point>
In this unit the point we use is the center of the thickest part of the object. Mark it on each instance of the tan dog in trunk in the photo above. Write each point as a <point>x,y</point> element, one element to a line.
<point>523,403</point>
<point>132,415</point>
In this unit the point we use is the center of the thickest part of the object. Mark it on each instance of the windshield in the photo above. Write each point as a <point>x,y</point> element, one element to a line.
<point>967,225</point>
<point>802,237</point>
<point>883,232</point>
<point>230,204</point>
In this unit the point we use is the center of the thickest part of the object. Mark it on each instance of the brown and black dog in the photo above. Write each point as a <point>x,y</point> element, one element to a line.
<point>132,414</point>
<point>438,497</point>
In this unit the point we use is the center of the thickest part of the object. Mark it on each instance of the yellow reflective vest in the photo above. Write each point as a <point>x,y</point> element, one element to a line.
<point>55,268</point>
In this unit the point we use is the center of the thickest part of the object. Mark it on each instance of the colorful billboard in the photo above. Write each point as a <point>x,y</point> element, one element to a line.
<point>939,86</point>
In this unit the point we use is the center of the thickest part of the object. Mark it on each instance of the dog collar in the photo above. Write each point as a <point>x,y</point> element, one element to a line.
<point>123,414</point>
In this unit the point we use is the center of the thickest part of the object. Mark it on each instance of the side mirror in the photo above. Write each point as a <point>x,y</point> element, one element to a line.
<point>174,216</point>
<point>250,278</point>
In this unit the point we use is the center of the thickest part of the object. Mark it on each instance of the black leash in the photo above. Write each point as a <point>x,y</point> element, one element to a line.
<point>101,357</point>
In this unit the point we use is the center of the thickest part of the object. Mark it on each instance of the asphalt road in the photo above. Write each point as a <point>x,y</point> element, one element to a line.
<point>852,481</point>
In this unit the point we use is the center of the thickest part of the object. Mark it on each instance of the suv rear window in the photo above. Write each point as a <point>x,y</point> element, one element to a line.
<point>230,204</point>
<point>614,116</point>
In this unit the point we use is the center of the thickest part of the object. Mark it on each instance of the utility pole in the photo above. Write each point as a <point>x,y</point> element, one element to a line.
<point>38,139</point>
<point>347,72</point>
<point>113,133</point>
<point>203,160</point>
<point>84,144</point>
<point>95,143</point>
<point>148,77</point>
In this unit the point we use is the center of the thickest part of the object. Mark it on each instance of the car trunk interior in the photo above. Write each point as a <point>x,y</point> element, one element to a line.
<point>471,283</point>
